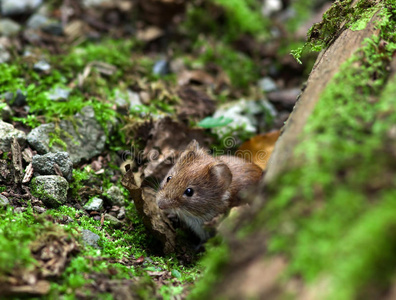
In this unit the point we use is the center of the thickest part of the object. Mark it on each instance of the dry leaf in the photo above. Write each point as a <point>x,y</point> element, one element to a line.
<point>259,148</point>
<point>167,139</point>
<point>41,287</point>
<point>195,76</point>
<point>28,173</point>
<point>153,218</point>
<point>149,34</point>
<point>161,12</point>
<point>17,160</point>
<point>195,104</point>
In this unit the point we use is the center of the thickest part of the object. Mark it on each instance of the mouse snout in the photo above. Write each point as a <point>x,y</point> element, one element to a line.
<point>163,204</point>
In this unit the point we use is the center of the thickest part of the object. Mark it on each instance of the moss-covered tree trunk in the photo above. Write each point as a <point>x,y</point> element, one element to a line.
<point>323,226</point>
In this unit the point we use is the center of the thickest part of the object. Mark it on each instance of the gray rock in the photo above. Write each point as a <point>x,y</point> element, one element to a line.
<point>6,113</point>
<point>161,67</point>
<point>9,27</point>
<point>50,189</point>
<point>94,204</point>
<point>84,138</point>
<point>16,7</point>
<point>267,84</point>
<point>270,7</point>
<point>20,99</point>
<point>44,164</point>
<point>4,55</point>
<point>59,94</point>
<point>53,28</point>
<point>252,114</point>
<point>39,209</point>
<point>8,97</point>
<point>31,36</point>
<point>19,210</point>
<point>7,134</point>
<point>37,21</point>
<point>4,200</point>
<point>121,214</point>
<point>114,222</point>
<point>42,66</point>
<point>127,100</point>
<point>92,3</point>
<point>115,196</point>
<point>89,238</point>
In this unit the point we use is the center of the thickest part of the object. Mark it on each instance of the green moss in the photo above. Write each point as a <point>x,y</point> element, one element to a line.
<point>217,255</point>
<point>243,16</point>
<point>238,18</point>
<point>341,15</point>
<point>114,52</point>
<point>16,232</point>
<point>115,245</point>
<point>240,68</point>
<point>40,192</point>
<point>332,215</point>
<point>373,267</point>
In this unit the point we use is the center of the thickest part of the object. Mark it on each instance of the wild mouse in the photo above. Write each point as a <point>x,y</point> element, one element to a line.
<point>199,186</point>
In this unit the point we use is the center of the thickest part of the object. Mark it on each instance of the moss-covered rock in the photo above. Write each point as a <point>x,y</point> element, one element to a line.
<point>51,189</point>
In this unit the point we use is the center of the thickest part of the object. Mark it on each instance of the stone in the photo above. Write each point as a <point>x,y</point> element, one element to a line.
<point>121,214</point>
<point>7,134</point>
<point>44,164</point>
<point>20,99</point>
<point>42,66</point>
<point>5,56</point>
<point>94,204</point>
<point>285,98</point>
<point>92,3</point>
<point>84,138</point>
<point>31,36</point>
<point>4,201</point>
<point>115,196</point>
<point>161,67</point>
<point>19,210</point>
<point>267,84</point>
<point>8,97</point>
<point>59,94</point>
<point>126,100</point>
<point>6,113</point>
<point>9,27</point>
<point>50,189</point>
<point>53,28</point>
<point>39,209</point>
<point>13,7</point>
<point>114,222</point>
<point>247,115</point>
<point>36,21</point>
<point>270,7</point>
<point>89,238</point>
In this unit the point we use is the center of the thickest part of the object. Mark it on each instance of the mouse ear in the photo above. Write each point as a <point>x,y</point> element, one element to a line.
<point>193,146</point>
<point>221,174</point>
<point>187,157</point>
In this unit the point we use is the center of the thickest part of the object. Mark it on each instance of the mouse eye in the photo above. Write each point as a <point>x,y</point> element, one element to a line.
<point>169,178</point>
<point>189,192</point>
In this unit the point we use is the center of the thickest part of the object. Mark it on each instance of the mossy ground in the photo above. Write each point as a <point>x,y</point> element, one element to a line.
<point>130,67</point>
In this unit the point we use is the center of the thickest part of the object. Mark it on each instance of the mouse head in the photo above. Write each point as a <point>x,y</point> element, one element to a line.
<point>196,184</point>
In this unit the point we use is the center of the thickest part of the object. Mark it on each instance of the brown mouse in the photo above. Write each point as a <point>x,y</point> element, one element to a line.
<point>199,186</point>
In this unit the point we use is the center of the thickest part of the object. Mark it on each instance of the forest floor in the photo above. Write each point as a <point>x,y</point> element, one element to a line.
<point>89,90</point>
